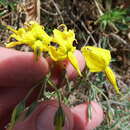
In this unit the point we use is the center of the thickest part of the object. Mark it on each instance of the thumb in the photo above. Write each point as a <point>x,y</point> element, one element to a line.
<point>19,69</point>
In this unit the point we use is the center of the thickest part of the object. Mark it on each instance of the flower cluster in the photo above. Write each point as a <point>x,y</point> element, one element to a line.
<point>98,60</point>
<point>60,47</point>
<point>33,35</point>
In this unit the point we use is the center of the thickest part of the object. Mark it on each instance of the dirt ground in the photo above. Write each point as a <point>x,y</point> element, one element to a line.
<point>84,17</point>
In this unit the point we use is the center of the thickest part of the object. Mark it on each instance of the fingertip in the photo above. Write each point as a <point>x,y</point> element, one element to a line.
<point>20,68</point>
<point>43,117</point>
<point>70,70</point>
<point>81,117</point>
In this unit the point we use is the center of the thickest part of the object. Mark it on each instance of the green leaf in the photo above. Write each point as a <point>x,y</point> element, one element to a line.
<point>127,19</point>
<point>89,111</point>
<point>122,26</point>
<point>11,4</point>
<point>31,108</point>
<point>59,119</point>
<point>16,114</point>
<point>3,2</point>
<point>128,11</point>
<point>18,109</point>
<point>2,13</point>
<point>112,17</point>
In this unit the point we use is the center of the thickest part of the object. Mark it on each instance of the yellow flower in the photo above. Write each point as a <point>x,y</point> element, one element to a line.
<point>63,37</point>
<point>98,60</point>
<point>111,77</point>
<point>65,50</point>
<point>32,35</point>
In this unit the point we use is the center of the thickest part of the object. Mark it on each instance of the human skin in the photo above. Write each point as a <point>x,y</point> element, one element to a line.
<point>19,69</point>
<point>80,114</point>
<point>70,70</point>
<point>9,98</point>
<point>19,72</point>
<point>60,68</point>
<point>76,119</point>
<point>42,117</point>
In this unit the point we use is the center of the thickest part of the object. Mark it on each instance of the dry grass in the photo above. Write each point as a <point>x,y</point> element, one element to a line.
<point>82,16</point>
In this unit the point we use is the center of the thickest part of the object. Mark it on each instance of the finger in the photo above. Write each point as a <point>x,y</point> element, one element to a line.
<point>18,73</point>
<point>57,69</point>
<point>81,120</point>
<point>70,70</point>
<point>9,98</point>
<point>19,69</point>
<point>43,118</point>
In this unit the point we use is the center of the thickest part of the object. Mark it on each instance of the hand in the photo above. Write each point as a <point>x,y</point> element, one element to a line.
<point>18,73</point>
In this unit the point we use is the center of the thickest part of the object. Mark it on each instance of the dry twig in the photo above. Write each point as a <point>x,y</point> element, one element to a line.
<point>117,37</point>
<point>90,34</point>
<point>48,12</point>
<point>58,10</point>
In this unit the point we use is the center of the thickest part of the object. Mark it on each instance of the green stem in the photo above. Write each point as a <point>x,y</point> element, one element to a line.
<point>31,90</point>
<point>98,7</point>
<point>54,86</point>
<point>102,94</point>
<point>58,127</point>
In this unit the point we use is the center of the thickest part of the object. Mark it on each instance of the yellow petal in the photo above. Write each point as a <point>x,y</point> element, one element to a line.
<point>28,38</point>
<point>12,44</point>
<point>53,53</point>
<point>63,37</point>
<point>62,27</point>
<point>101,53</point>
<point>58,37</point>
<point>46,38</point>
<point>96,58</point>
<point>111,77</point>
<point>16,37</point>
<point>37,52</point>
<point>72,58</point>
<point>10,28</point>
<point>21,31</point>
